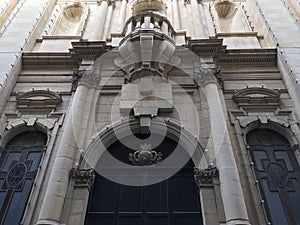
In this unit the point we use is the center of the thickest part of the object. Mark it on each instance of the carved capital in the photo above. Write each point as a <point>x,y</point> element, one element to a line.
<point>83,177</point>
<point>90,77</point>
<point>219,76</point>
<point>203,76</point>
<point>77,75</point>
<point>205,177</point>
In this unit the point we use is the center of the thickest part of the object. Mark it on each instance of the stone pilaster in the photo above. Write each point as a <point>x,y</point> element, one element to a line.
<point>199,28</point>
<point>100,21</point>
<point>122,15</point>
<point>176,15</point>
<point>83,181</point>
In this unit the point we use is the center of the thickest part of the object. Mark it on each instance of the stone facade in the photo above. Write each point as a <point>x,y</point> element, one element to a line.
<point>89,71</point>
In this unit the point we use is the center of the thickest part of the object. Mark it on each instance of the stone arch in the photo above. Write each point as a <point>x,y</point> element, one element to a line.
<point>175,131</point>
<point>20,126</point>
<point>71,20</point>
<point>274,126</point>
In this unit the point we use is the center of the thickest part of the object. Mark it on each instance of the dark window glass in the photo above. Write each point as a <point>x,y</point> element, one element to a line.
<point>278,173</point>
<point>19,164</point>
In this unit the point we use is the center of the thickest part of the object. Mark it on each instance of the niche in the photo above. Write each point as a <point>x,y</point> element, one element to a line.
<point>230,18</point>
<point>71,21</point>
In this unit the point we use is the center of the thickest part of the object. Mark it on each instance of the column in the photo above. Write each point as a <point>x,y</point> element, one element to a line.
<point>176,15</point>
<point>198,26</point>
<point>231,190</point>
<point>52,206</point>
<point>122,16</point>
<point>100,21</point>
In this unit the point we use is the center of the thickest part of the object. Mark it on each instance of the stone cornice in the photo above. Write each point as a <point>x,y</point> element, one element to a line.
<point>64,60</point>
<point>215,48</point>
<point>88,49</point>
<point>212,46</point>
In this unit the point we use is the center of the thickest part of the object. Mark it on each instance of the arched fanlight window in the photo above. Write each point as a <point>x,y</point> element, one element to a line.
<point>174,201</point>
<point>277,171</point>
<point>18,168</point>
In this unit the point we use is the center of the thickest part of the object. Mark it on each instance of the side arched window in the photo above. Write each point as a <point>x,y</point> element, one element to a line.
<point>19,163</point>
<point>277,171</point>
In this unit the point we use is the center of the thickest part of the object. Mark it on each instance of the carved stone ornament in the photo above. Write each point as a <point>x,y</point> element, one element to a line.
<point>202,76</point>
<point>145,156</point>
<point>90,77</point>
<point>205,177</point>
<point>83,177</point>
<point>77,75</point>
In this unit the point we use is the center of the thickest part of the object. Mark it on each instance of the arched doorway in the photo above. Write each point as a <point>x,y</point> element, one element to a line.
<point>277,172</point>
<point>174,201</point>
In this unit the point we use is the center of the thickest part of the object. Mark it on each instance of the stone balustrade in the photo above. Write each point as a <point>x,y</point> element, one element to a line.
<point>145,22</point>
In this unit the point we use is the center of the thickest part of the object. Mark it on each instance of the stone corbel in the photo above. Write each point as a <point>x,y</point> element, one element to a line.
<point>205,177</point>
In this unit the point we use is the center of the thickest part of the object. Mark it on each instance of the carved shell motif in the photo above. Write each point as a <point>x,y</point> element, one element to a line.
<point>145,156</point>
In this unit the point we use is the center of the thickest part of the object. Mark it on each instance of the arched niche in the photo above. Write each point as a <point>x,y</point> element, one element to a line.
<point>229,17</point>
<point>71,21</point>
